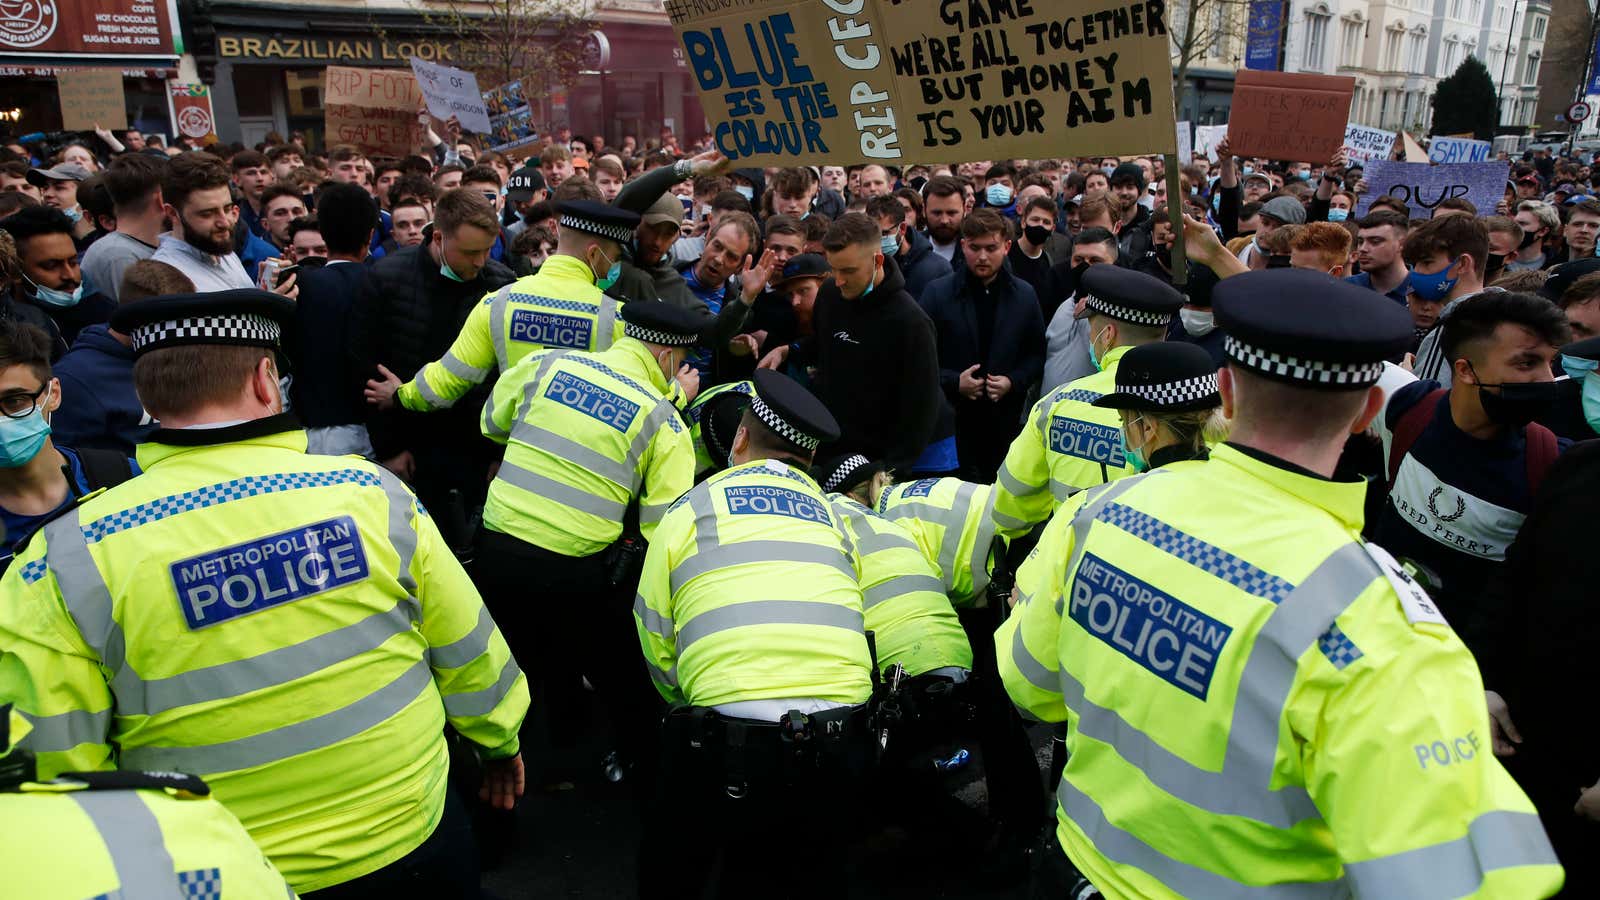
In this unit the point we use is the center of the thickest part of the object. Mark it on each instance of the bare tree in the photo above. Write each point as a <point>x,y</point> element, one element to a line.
<point>540,42</point>
<point>1203,29</point>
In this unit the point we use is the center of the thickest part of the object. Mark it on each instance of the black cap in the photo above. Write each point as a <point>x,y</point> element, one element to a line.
<point>1562,277</point>
<point>522,184</point>
<point>1127,170</point>
<point>1303,328</point>
<point>1128,296</point>
<point>792,411</point>
<point>1165,376</point>
<point>806,265</point>
<point>842,474</point>
<point>655,322</point>
<point>247,317</point>
<point>598,219</point>
<point>1588,348</point>
<point>719,420</point>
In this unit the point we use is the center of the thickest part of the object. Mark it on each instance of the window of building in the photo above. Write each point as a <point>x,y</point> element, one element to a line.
<point>1391,51</point>
<point>1532,75</point>
<point>1350,49</point>
<point>1477,11</point>
<point>1538,28</point>
<point>1316,39</point>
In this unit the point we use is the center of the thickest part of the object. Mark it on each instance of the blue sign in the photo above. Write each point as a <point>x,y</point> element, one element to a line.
<point>593,401</point>
<point>1087,440</point>
<point>550,330</point>
<point>269,571</point>
<point>920,488</point>
<point>1594,72</point>
<point>1422,187</point>
<point>1173,640</point>
<point>760,500</point>
<point>1263,35</point>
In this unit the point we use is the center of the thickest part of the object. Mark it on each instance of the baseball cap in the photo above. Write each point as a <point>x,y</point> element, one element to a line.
<point>668,209</point>
<point>806,265</point>
<point>63,172</point>
<point>523,183</point>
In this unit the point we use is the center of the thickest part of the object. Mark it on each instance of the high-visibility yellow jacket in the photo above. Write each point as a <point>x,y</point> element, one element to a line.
<point>1257,703</point>
<point>558,306</point>
<point>703,463</point>
<point>1066,445</point>
<point>954,525</point>
<point>911,620</point>
<point>585,433</point>
<point>62,841</point>
<point>751,591</point>
<point>291,627</point>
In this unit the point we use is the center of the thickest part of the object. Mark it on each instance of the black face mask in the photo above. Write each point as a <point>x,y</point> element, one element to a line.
<point>1515,404</point>
<point>1529,239</point>
<point>1036,234</point>
<point>1497,261</point>
<point>1278,262</point>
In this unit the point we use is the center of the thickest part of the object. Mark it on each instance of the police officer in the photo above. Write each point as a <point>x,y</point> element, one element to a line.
<point>1067,444</point>
<point>713,420</point>
<point>1167,396</point>
<point>595,452</point>
<point>121,834</point>
<point>291,627</point>
<point>953,522</point>
<point>1256,694</point>
<point>750,617</point>
<point>563,305</point>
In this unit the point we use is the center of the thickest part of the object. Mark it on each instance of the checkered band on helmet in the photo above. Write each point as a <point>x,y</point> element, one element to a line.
<point>246,329</point>
<point>1305,371</point>
<point>651,336</point>
<point>1173,393</point>
<point>843,473</point>
<point>774,421</point>
<point>1126,314</point>
<point>619,233</point>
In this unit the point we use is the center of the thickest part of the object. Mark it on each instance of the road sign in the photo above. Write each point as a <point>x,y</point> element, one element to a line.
<point>1579,111</point>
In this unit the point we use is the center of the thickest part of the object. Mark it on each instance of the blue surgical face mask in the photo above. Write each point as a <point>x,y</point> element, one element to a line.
<point>613,272</point>
<point>998,195</point>
<point>1576,366</point>
<point>53,297</point>
<point>75,213</point>
<point>890,244</point>
<point>1249,170</point>
<point>1108,170</point>
<point>20,439</point>
<point>1134,458</point>
<point>1433,288</point>
<point>1591,400</point>
<point>446,271</point>
<point>745,191</point>
<point>1094,355</point>
<point>1338,215</point>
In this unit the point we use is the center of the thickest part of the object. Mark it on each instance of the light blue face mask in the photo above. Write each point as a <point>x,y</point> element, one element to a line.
<point>1094,355</point>
<point>613,272</point>
<point>55,298</point>
<point>890,245</point>
<point>21,439</point>
<point>745,191</point>
<point>1587,371</point>
<point>1249,170</point>
<point>446,271</point>
<point>998,195</point>
<point>1338,215</point>
<point>74,213</point>
<point>1134,458</point>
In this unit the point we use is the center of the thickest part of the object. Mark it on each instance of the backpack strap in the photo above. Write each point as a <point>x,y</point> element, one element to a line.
<point>104,468</point>
<point>1540,454</point>
<point>1409,428</point>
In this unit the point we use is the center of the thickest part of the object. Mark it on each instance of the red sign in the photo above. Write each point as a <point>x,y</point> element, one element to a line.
<point>95,27</point>
<point>191,111</point>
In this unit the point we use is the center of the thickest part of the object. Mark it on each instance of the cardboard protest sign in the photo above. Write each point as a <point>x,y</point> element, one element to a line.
<point>451,92</point>
<point>1444,150</point>
<point>374,109</point>
<point>844,81</point>
<point>1422,186</point>
<point>190,108</point>
<point>1185,143</point>
<point>89,97</point>
<point>1206,139</point>
<point>510,117</point>
<point>1289,116</point>
<point>1365,143</point>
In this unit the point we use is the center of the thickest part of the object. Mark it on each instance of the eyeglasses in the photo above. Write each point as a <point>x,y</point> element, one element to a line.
<point>19,405</point>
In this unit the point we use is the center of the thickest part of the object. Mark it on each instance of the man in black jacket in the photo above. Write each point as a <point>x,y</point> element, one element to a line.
<point>991,344</point>
<point>406,315</point>
<point>876,358</point>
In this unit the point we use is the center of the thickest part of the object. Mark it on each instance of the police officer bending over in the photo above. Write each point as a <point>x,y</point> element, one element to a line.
<point>1261,703</point>
<point>749,613</point>
<point>291,627</point>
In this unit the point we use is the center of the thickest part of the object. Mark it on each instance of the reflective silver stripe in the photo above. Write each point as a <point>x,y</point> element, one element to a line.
<point>605,322</point>
<point>768,612</point>
<point>668,677</point>
<point>1061,491</point>
<point>705,515</point>
<point>483,702</point>
<point>63,731</point>
<point>1092,505</point>
<point>497,326</point>
<point>982,543</point>
<point>1034,671</point>
<point>134,841</point>
<point>529,391</point>
<point>83,589</point>
<point>1010,523</point>
<point>1495,840</point>
<point>955,524</point>
<point>1015,486</point>
<point>570,450</point>
<point>402,535</point>
<point>652,513</point>
<point>899,586</point>
<point>464,650</point>
<point>878,541</point>
<point>656,418</point>
<point>721,556</point>
<point>1181,878</point>
<point>461,370</point>
<point>489,427</point>
<point>653,622</point>
<point>566,495</point>
<point>429,395</point>
<point>137,696</point>
<point>290,740</point>
<point>1243,787</point>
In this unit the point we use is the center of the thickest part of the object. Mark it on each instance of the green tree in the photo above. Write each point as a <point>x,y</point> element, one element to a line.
<point>1465,103</point>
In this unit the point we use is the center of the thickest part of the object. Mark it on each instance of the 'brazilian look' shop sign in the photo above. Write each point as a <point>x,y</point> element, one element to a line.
<point>904,81</point>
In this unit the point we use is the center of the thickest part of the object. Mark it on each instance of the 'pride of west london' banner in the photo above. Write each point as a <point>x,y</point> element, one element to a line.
<point>905,81</point>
